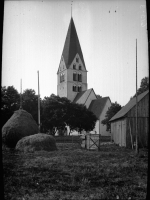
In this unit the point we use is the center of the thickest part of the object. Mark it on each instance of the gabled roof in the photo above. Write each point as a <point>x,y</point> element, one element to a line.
<point>98,105</point>
<point>128,106</point>
<point>72,45</point>
<point>82,97</point>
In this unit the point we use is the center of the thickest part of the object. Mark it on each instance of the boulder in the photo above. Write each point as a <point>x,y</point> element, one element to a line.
<point>36,142</point>
<point>21,124</point>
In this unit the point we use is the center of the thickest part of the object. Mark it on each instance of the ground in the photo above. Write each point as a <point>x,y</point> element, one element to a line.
<point>74,173</point>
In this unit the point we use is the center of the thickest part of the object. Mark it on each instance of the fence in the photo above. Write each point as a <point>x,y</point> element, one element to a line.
<point>88,141</point>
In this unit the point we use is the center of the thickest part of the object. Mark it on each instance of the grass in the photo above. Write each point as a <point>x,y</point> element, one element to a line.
<point>74,173</point>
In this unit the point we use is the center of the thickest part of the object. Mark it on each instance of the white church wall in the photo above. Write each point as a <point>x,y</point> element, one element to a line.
<point>103,131</point>
<point>91,97</point>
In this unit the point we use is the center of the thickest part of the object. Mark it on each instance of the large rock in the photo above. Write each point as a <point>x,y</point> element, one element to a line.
<point>36,142</point>
<point>21,124</point>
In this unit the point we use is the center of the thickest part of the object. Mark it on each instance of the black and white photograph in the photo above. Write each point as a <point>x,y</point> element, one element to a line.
<point>75,99</point>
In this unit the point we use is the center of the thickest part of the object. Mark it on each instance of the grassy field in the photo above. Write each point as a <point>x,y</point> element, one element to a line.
<point>74,173</point>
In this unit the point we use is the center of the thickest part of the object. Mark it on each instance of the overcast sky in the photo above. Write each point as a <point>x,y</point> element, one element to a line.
<point>35,31</point>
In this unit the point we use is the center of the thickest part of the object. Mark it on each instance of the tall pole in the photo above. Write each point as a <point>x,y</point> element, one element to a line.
<point>21,94</point>
<point>71,7</point>
<point>38,103</point>
<point>137,147</point>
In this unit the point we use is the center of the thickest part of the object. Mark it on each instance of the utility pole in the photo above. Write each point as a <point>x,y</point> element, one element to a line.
<point>21,94</point>
<point>71,7</point>
<point>39,103</point>
<point>137,145</point>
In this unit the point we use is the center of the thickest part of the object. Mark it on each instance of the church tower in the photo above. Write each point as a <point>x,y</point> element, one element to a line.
<point>72,73</point>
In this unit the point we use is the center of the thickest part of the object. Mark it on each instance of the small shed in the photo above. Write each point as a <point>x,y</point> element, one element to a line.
<point>123,124</point>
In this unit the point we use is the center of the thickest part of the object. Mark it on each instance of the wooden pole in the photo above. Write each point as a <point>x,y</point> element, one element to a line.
<point>38,103</point>
<point>71,7</point>
<point>21,94</point>
<point>137,147</point>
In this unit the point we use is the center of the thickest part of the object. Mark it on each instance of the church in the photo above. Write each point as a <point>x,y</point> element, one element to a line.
<point>72,80</point>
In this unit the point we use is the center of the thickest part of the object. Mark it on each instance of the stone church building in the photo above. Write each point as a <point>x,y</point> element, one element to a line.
<point>72,80</point>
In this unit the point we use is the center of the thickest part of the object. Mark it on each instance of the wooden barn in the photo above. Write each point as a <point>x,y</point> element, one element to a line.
<point>123,124</point>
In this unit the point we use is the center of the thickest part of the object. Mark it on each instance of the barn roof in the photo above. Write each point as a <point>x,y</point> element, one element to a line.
<point>128,106</point>
<point>82,96</point>
<point>72,45</point>
<point>98,105</point>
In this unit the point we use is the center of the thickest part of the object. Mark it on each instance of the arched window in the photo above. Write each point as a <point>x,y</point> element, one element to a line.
<point>80,77</point>
<point>62,77</point>
<point>77,59</point>
<point>74,66</point>
<point>74,88</point>
<point>79,88</point>
<point>80,68</point>
<point>75,76</point>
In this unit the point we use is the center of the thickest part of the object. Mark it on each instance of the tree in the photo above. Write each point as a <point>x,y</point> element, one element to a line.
<point>112,110</point>
<point>54,112</point>
<point>30,103</point>
<point>10,102</point>
<point>81,118</point>
<point>144,86</point>
<point>59,112</point>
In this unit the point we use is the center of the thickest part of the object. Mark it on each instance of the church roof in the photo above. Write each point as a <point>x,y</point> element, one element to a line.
<point>72,45</point>
<point>82,97</point>
<point>98,105</point>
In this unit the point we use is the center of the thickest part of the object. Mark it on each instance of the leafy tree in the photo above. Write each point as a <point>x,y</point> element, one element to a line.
<point>54,112</point>
<point>112,110</point>
<point>10,101</point>
<point>30,103</point>
<point>98,96</point>
<point>59,112</point>
<point>143,87</point>
<point>81,119</point>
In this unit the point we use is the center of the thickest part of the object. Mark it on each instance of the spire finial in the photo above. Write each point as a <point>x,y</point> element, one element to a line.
<point>71,7</point>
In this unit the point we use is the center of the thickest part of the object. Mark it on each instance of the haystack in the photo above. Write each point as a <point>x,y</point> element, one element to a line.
<point>36,142</point>
<point>21,124</point>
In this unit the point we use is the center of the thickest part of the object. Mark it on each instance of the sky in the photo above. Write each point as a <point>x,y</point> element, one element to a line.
<point>34,34</point>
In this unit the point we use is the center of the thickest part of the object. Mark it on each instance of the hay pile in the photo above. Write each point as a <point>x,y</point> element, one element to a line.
<point>36,142</point>
<point>21,124</point>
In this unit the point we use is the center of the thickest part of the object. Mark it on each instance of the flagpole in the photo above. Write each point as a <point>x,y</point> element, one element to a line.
<point>137,147</point>
<point>38,103</point>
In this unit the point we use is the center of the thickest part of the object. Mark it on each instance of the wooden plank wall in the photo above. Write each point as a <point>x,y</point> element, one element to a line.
<point>143,122</point>
<point>143,130</point>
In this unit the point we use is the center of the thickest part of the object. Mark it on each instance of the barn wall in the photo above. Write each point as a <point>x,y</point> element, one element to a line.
<point>118,132</point>
<point>143,130</point>
<point>143,122</point>
<point>143,108</point>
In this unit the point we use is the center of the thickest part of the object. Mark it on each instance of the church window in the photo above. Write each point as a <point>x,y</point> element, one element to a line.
<point>79,88</point>
<point>80,77</point>
<point>74,88</point>
<point>62,77</point>
<point>77,59</point>
<point>74,76</point>
<point>74,66</point>
<point>80,68</point>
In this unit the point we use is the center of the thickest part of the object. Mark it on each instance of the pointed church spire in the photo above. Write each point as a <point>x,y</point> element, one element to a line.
<point>72,45</point>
